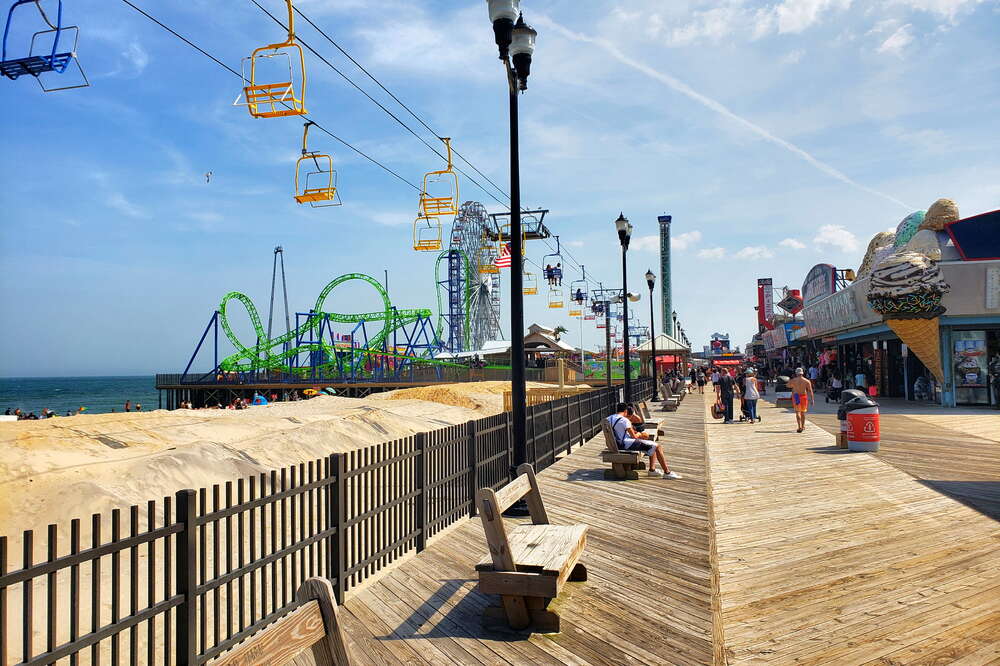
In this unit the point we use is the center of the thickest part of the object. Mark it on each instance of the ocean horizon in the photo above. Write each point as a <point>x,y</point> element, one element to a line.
<point>97,394</point>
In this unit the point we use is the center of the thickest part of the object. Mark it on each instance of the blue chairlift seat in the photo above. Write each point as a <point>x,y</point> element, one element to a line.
<point>36,64</point>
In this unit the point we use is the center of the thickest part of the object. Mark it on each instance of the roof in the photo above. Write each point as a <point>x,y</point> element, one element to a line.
<point>490,347</point>
<point>665,344</point>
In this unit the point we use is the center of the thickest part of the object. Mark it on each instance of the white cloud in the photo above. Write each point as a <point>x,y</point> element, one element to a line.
<point>575,243</point>
<point>712,253</point>
<point>793,244</point>
<point>755,252</point>
<point>391,218</point>
<point>792,57</point>
<point>897,41</point>
<point>946,8</point>
<point>645,244</point>
<point>137,56</point>
<point>686,90</point>
<point>118,201</point>
<point>685,240</point>
<point>838,237</point>
<point>796,16</point>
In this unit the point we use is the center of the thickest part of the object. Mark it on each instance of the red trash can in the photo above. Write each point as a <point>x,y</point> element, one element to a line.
<point>863,428</point>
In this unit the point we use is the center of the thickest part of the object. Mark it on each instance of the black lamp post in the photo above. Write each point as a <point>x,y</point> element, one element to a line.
<point>651,281</point>
<point>624,228</point>
<point>516,42</point>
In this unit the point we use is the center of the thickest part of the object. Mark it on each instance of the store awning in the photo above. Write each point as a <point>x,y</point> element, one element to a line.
<point>728,361</point>
<point>667,359</point>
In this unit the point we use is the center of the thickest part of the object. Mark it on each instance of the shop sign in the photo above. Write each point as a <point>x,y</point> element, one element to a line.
<point>821,281</point>
<point>792,302</point>
<point>833,313</point>
<point>776,338</point>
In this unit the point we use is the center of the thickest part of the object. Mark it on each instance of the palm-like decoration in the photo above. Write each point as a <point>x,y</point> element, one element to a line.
<point>559,330</point>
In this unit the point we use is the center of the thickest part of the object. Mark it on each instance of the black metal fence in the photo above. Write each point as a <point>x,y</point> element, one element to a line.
<point>418,374</point>
<point>195,574</point>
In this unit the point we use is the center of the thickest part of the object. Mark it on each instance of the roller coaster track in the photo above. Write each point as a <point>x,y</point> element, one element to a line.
<point>274,353</point>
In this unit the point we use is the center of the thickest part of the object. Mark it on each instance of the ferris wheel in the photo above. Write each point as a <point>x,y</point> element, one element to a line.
<point>469,294</point>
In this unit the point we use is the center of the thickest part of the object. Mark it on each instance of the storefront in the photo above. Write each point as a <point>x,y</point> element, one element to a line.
<point>869,350</point>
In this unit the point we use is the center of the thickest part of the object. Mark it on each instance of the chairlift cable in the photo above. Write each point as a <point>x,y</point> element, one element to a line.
<point>235,73</point>
<point>395,98</point>
<point>372,99</point>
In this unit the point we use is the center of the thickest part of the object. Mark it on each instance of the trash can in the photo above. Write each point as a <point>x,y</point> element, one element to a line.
<point>845,396</point>
<point>782,394</point>
<point>862,424</point>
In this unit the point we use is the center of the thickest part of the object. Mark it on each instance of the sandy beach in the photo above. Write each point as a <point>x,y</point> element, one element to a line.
<point>58,469</point>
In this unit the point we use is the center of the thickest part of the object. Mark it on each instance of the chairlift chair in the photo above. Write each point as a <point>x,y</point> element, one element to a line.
<point>439,195</point>
<point>315,178</point>
<point>529,286</point>
<point>578,288</point>
<point>486,260</point>
<point>555,298</point>
<point>576,312</point>
<point>505,235</point>
<point>36,64</point>
<point>553,273</point>
<point>427,234</point>
<point>275,100</point>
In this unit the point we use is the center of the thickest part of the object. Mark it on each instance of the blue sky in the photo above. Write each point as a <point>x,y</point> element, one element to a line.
<point>778,134</point>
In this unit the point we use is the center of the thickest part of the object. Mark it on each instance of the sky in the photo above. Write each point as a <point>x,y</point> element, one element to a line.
<point>778,134</point>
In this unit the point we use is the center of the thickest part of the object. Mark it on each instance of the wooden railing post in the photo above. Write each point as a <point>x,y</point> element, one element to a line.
<point>473,459</point>
<point>420,484</point>
<point>337,511</point>
<point>187,581</point>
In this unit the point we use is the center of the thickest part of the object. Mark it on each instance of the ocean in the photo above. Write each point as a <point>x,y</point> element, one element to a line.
<point>99,395</point>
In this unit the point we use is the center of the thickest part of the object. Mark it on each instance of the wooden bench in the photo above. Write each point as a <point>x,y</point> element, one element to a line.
<point>624,464</point>
<point>527,565</point>
<point>311,635</point>
<point>649,423</point>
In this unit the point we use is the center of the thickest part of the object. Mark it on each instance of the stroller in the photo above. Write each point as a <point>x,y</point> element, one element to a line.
<point>745,413</point>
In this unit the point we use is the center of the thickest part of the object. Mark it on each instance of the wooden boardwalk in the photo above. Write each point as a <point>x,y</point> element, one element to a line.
<point>955,451</point>
<point>648,599</point>
<point>828,557</point>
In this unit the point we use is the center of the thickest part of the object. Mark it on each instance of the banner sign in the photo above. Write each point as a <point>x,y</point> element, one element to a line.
<point>776,338</point>
<point>765,303</point>
<point>831,314</point>
<point>821,281</point>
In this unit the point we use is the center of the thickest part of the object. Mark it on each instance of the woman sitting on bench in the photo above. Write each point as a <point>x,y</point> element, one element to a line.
<point>628,439</point>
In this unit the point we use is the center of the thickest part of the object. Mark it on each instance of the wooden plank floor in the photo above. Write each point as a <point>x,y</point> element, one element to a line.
<point>648,599</point>
<point>839,558</point>
<point>956,452</point>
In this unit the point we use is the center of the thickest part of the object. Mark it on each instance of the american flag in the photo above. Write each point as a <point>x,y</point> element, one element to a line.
<point>503,261</point>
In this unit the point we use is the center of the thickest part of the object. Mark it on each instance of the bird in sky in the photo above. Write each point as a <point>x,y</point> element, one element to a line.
<point>208,177</point>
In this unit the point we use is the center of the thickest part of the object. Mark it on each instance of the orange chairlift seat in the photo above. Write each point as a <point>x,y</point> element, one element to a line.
<point>555,298</point>
<point>439,195</point>
<point>315,178</point>
<point>274,100</point>
<point>426,234</point>
<point>529,286</point>
<point>486,258</point>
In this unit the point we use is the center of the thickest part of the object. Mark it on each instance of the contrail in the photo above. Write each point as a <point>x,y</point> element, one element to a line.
<point>686,90</point>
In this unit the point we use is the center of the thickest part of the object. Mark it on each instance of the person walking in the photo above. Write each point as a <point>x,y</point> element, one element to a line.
<point>751,394</point>
<point>128,405</point>
<point>802,395</point>
<point>700,379</point>
<point>727,390</point>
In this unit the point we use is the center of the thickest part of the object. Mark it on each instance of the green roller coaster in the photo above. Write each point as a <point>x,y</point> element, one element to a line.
<point>315,339</point>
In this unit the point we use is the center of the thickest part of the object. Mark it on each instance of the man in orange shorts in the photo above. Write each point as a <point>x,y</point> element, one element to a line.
<point>802,395</point>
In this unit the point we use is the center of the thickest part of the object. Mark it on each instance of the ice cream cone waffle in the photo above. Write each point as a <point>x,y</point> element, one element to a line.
<point>923,337</point>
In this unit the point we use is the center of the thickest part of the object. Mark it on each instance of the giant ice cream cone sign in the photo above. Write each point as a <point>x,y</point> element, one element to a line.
<point>906,289</point>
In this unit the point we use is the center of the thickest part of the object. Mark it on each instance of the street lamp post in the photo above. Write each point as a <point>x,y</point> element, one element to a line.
<point>651,281</point>
<point>624,228</point>
<point>516,43</point>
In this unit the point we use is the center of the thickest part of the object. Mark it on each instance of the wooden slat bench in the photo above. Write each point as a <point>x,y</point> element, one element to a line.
<point>650,423</point>
<point>529,564</point>
<point>311,635</point>
<point>624,464</point>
